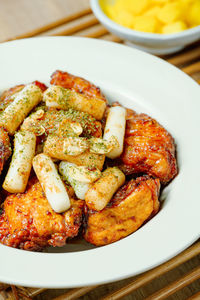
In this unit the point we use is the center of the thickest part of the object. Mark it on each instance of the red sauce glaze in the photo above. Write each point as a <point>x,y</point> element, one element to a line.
<point>28,222</point>
<point>148,148</point>
<point>78,84</point>
<point>41,85</point>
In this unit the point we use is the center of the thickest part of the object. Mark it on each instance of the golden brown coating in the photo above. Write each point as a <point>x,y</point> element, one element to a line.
<point>28,221</point>
<point>148,148</point>
<point>5,150</point>
<point>78,84</point>
<point>131,206</point>
<point>52,121</point>
<point>53,118</point>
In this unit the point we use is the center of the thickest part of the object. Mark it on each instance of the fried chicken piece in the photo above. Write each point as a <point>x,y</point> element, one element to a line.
<point>5,150</point>
<point>148,148</point>
<point>78,84</point>
<point>132,205</point>
<point>28,221</point>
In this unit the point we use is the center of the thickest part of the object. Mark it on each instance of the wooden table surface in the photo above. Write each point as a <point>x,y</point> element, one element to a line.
<point>27,18</point>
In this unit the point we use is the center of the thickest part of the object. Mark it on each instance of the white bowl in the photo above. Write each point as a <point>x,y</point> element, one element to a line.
<point>142,82</point>
<point>159,44</point>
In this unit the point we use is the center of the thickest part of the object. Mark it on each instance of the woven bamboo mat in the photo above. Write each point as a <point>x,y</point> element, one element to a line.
<point>178,279</point>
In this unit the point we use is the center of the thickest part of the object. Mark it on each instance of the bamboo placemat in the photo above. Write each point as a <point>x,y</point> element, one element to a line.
<point>177,279</point>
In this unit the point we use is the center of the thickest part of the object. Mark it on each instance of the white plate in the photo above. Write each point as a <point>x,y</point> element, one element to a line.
<point>144,83</point>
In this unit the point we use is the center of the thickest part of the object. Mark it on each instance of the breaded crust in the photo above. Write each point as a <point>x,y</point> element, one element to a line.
<point>28,221</point>
<point>131,206</point>
<point>148,148</point>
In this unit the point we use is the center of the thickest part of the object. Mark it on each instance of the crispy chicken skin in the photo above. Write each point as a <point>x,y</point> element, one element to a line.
<point>28,221</point>
<point>5,150</point>
<point>131,206</point>
<point>78,84</point>
<point>148,148</point>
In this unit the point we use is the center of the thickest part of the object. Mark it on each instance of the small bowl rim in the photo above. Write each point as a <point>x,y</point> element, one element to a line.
<point>96,8</point>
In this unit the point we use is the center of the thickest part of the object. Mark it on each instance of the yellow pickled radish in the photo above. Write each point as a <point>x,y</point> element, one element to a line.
<point>109,10</point>
<point>135,6</point>
<point>155,16</point>
<point>160,2</point>
<point>124,18</point>
<point>174,27</point>
<point>169,13</point>
<point>145,23</point>
<point>152,12</point>
<point>193,16</point>
<point>188,2</point>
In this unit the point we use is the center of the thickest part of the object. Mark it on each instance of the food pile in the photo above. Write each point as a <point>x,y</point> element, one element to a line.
<point>154,16</point>
<point>71,164</point>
